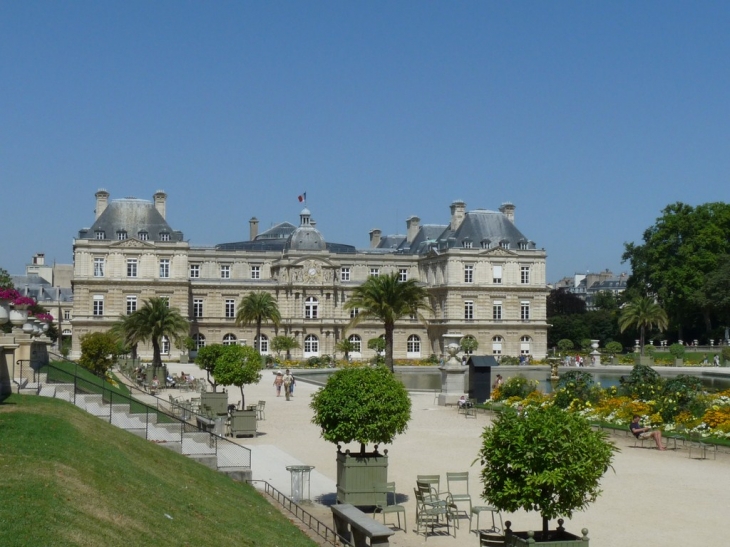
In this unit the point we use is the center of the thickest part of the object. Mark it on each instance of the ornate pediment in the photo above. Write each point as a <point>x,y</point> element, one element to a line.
<point>132,244</point>
<point>498,251</point>
<point>311,272</point>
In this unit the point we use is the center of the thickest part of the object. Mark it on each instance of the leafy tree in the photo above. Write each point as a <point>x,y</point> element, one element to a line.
<point>364,405</point>
<point>517,386</point>
<point>715,293</point>
<point>677,351</point>
<point>678,252</point>
<point>153,320</point>
<point>207,360</point>
<point>606,300</point>
<point>643,383</point>
<point>345,346</point>
<point>469,344</point>
<point>387,299</point>
<point>614,347</point>
<point>568,327</point>
<point>563,302</point>
<point>377,345</point>
<point>6,282</point>
<point>256,308</point>
<point>565,345</point>
<point>284,343</point>
<point>643,313</point>
<point>238,366</point>
<point>98,352</point>
<point>576,385</point>
<point>546,460</point>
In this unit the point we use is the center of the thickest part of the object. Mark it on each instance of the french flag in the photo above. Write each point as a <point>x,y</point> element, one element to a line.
<point>303,197</point>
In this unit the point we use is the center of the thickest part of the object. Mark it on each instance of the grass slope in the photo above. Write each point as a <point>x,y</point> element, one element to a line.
<point>67,478</point>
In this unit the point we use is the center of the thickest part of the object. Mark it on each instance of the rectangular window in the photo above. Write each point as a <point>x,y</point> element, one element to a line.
<point>374,272</point>
<point>121,236</point>
<point>143,236</point>
<point>99,234</point>
<point>469,310</point>
<point>98,267</point>
<point>525,311</point>
<point>166,300</point>
<point>67,315</point>
<point>131,305</point>
<point>255,272</point>
<point>354,312</point>
<point>164,237</point>
<point>402,274</point>
<point>98,305</point>
<point>198,307</point>
<point>525,275</point>
<point>131,267</point>
<point>497,275</point>
<point>194,271</point>
<point>497,310</point>
<point>345,274</point>
<point>230,308</point>
<point>468,274</point>
<point>165,267</point>
<point>225,271</point>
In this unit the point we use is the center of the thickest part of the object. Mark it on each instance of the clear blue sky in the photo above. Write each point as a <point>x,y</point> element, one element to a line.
<point>590,117</point>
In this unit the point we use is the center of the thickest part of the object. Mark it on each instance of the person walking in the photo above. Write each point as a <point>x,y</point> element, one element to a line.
<point>278,381</point>
<point>287,380</point>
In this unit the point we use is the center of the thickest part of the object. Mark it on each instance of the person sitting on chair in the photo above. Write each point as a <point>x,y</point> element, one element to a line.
<point>646,432</point>
<point>461,403</point>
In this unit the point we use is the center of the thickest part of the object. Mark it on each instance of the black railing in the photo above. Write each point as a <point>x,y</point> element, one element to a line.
<point>304,516</point>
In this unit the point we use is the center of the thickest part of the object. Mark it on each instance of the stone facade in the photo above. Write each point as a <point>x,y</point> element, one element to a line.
<point>485,279</point>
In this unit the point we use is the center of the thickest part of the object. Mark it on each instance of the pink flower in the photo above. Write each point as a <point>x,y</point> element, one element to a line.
<point>9,294</point>
<point>23,301</point>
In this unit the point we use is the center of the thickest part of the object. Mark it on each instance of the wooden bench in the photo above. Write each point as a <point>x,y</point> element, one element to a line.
<point>352,524</point>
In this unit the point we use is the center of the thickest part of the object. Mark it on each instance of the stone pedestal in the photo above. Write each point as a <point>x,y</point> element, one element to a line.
<point>453,373</point>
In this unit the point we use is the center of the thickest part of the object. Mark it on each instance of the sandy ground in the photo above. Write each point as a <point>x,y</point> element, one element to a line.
<point>650,498</point>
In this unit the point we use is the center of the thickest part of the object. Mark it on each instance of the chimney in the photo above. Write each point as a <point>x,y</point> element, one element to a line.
<point>375,238</point>
<point>39,259</point>
<point>102,200</point>
<point>412,224</point>
<point>457,214</point>
<point>508,210</point>
<point>160,198</point>
<point>253,228</point>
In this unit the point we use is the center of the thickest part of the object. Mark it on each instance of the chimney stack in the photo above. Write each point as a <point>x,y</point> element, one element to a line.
<point>160,197</point>
<point>412,225</point>
<point>253,228</point>
<point>458,209</point>
<point>508,210</point>
<point>375,238</point>
<point>102,200</point>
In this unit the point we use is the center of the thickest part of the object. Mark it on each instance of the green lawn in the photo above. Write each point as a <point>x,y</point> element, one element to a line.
<point>69,479</point>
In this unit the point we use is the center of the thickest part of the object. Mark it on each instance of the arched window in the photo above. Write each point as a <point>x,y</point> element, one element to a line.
<point>229,339</point>
<point>311,346</point>
<point>165,345</point>
<point>525,345</point>
<point>199,340</point>
<point>497,345</point>
<point>311,308</point>
<point>262,345</point>
<point>356,342</point>
<point>413,346</point>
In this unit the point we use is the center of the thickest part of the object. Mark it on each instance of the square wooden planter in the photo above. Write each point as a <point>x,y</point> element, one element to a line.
<point>557,538</point>
<point>243,423</point>
<point>357,475</point>
<point>214,403</point>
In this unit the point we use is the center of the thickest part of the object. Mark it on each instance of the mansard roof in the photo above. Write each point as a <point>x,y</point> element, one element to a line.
<point>131,215</point>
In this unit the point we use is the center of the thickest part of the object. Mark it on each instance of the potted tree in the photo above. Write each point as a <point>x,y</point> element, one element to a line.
<point>207,359</point>
<point>544,459</point>
<point>363,405</point>
<point>239,366</point>
<point>677,351</point>
<point>614,348</point>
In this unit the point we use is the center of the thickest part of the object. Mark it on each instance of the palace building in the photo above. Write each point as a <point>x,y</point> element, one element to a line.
<point>485,279</point>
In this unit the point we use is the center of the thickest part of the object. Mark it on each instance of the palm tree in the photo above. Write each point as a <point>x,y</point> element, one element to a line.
<point>642,313</point>
<point>153,320</point>
<point>254,309</point>
<point>387,299</point>
<point>345,346</point>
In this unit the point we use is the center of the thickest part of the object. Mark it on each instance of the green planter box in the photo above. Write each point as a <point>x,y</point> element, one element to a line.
<point>214,403</point>
<point>243,423</point>
<point>679,362</point>
<point>644,360</point>
<point>557,538</point>
<point>357,476</point>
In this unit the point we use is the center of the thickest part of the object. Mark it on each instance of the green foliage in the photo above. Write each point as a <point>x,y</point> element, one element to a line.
<point>284,343</point>
<point>238,366</point>
<point>345,346</point>
<point>605,300</point>
<point>565,345</point>
<point>576,385</point>
<point>585,345</point>
<point>517,386</point>
<point>65,347</point>
<point>677,350</point>
<point>649,350</point>
<point>547,460</point>
<point>643,313</point>
<point>207,360</point>
<point>364,405</point>
<point>386,299</point>
<point>563,302</point>
<point>98,352</point>
<point>614,348</point>
<point>377,344</point>
<point>725,354</point>
<point>469,344</point>
<point>679,393</point>
<point>6,282</point>
<point>256,308</point>
<point>186,343</point>
<point>643,383</point>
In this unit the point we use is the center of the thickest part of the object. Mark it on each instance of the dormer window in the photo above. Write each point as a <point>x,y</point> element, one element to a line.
<point>99,234</point>
<point>522,245</point>
<point>504,244</point>
<point>486,244</point>
<point>466,244</point>
<point>164,236</point>
<point>121,235</point>
<point>142,236</point>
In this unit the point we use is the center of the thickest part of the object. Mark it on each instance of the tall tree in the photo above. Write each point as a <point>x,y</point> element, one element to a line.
<point>284,343</point>
<point>6,282</point>
<point>256,308</point>
<point>238,366</point>
<point>677,254</point>
<point>153,320</point>
<point>643,313</point>
<point>387,299</point>
<point>563,302</point>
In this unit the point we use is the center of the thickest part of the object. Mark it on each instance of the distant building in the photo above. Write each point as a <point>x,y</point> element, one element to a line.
<point>587,286</point>
<point>485,280</point>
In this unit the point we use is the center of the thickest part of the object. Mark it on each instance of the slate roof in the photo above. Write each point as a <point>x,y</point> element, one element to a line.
<point>131,215</point>
<point>41,290</point>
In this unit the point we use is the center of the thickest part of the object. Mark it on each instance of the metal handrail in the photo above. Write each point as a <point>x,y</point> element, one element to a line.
<point>309,520</point>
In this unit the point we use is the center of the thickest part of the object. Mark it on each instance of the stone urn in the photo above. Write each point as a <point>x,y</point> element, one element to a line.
<point>18,317</point>
<point>4,311</point>
<point>452,372</point>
